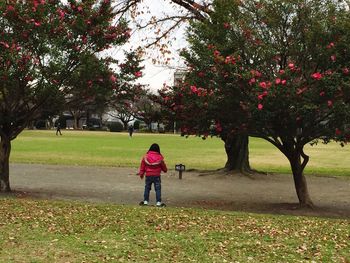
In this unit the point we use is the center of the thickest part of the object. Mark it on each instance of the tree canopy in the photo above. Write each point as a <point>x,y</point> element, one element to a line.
<point>42,43</point>
<point>278,70</point>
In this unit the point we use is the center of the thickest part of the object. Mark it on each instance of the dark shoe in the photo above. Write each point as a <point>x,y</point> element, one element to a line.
<point>143,203</point>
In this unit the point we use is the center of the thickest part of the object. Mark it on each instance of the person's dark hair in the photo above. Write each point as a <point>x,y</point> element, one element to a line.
<point>154,148</point>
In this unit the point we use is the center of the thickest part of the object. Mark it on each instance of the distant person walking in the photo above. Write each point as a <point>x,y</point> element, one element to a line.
<point>58,128</point>
<point>131,130</point>
<point>152,164</point>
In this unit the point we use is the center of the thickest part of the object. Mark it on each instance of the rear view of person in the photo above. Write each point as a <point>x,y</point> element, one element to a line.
<point>152,164</point>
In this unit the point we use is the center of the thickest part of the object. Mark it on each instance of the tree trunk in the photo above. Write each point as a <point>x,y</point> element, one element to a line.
<point>300,182</point>
<point>125,123</point>
<point>5,149</point>
<point>236,147</point>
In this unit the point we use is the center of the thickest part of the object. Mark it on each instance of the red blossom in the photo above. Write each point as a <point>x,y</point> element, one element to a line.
<point>210,46</point>
<point>230,59</point>
<point>329,103</point>
<point>218,127</point>
<point>227,25</point>
<point>291,66</point>
<point>61,13</point>
<point>345,71</point>
<point>337,131</point>
<point>252,81</point>
<point>322,93</point>
<point>194,89</point>
<point>263,85</point>
<point>330,45</point>
<point>216,53</point>
<point>284,82</point>
<point>10,8</point>
<point>317,76</point>
<point>278,81</point>
<point>5,44</point>
<point>281,71</point>
<point>260,106</point>
<point>256,73</point>
<point>113,78</point>
<point>138,74</point>
<point>333,58</point>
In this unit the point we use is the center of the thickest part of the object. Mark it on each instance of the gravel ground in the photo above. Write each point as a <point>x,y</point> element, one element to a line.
<point>210,190</point>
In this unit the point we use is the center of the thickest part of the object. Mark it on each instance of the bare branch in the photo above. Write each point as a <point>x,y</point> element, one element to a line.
<point>194,8</point>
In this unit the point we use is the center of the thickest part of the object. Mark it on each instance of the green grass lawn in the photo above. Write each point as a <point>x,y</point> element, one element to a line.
<point>116,149</point>
<point>52,231</point>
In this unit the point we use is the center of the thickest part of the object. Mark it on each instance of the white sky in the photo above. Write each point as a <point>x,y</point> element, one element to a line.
<point>156,75</point>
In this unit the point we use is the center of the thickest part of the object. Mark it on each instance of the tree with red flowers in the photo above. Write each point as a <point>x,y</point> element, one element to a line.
<point>278,70</point>
<point>42,43</point>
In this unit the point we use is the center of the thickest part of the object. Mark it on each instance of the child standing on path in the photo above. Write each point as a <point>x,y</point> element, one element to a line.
<point>152,165</point>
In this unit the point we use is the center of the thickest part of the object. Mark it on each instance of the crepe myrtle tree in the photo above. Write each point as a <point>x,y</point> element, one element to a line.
<point>288,82</point>
<point>41,45</point>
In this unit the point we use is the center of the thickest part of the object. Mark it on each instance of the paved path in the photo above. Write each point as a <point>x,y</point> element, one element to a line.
<point>268,194</point>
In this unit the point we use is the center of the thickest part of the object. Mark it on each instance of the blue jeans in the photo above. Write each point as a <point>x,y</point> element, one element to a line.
<point>157,187</point>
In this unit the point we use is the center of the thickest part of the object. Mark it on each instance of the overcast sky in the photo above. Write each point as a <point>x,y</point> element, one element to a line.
<point>156,75</point>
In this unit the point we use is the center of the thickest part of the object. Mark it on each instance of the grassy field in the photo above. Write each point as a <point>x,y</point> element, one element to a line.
<point>52,231</point>
<point>43,231</point>
<point>116,149</point>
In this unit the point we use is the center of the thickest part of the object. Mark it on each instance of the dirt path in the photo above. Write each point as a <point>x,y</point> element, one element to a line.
<point>267,194</point>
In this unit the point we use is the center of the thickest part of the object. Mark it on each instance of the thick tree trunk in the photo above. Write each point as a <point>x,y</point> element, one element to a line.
<point>300,182</point>
<point>5,149</point>
<point>236,147</point>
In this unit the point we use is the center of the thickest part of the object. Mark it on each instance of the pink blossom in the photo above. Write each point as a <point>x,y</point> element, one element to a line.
<point>333,58</point>
<point>218,127</point>
<point>113,78</point>
<point>281,71</point>
<point>263,85</point>
<point>10,8</point>
<point>227,25</point>
<point>291,65</point>
<point>322,93</point>
<point>317,76</point>
<point>329,103</point>
<point>216,53</point>
<point>346,71</point>
<point>260,106</point>
<point>284,82</point>
<point>256,73</point>
<point>229,59</point>
<point>260,96</point>
<point>138,74</point>
<point>61,13</point>
<point>5,44</point>
<point>210,46</point>
<point>252,81</point>
<point>194,89</point>
<point>278,81</point>
<point>330,45</point>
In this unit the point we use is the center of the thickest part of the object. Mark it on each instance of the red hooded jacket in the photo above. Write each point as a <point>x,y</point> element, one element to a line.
<point>152,164</point>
